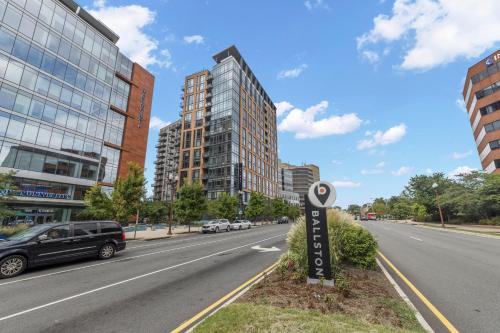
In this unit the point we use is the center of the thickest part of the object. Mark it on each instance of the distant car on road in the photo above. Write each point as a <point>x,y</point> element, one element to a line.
<point>241,224</point>
<point>59,242</point>
<point>283,220</point>
<point>216,226</point>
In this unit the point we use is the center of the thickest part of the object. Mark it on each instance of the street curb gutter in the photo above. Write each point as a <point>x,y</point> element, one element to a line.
<point>229,298</point>
<point>402,294</point>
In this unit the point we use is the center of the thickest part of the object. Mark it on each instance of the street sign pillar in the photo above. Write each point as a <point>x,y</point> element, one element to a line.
<point>320,196</point>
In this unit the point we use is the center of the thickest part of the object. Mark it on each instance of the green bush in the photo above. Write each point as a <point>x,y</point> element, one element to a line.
<point>491,221</point>
<point>349,244</point>
<point>9,231</point>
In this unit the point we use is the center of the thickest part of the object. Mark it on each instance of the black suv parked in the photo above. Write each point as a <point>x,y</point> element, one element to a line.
<point>58,242</point>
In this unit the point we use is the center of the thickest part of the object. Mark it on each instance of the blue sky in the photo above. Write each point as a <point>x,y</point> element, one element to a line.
<point>369,90</point>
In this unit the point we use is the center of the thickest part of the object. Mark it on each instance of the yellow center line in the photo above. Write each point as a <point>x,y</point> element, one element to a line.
<point>424,299</point>
<point>221,301</point>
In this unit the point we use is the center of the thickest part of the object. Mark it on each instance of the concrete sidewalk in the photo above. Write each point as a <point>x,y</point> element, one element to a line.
<point>473,228</point>
<point>162,233</point>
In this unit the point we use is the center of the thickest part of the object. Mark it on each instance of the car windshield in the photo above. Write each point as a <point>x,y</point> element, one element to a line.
<point>213,222</point>
<point>28,233</point>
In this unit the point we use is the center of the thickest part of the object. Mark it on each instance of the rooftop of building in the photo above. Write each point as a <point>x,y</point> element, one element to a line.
<point>233,51</point>
<point>94,22</point>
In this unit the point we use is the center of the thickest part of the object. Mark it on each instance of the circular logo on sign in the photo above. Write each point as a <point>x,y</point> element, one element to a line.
<point>489,61</point>
<point>322,194</point>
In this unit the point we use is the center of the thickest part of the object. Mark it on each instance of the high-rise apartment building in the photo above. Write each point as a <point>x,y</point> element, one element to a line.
<point>228,132</point>
<point>285,182</point>
<point>482,99</point>
<point>73,109</point>
<point>167,162</point>
<point>303,177</point>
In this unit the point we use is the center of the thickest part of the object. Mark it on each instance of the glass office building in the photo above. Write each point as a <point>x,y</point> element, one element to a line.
<point>72,107</point>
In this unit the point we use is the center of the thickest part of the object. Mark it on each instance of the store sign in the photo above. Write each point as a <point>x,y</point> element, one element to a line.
<point>492,59</point>
<point>35,194</point>
<point>321,195</point>
<point>140,116</point>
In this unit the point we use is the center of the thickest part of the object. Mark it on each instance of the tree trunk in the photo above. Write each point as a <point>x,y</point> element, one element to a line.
<point>189,228</point>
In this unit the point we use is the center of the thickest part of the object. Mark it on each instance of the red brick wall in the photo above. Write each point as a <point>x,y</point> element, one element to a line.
<point>135,138</point>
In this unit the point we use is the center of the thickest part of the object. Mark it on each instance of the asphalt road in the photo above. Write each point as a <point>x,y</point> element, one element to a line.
<point>458,273</point>
<point>150,287</point>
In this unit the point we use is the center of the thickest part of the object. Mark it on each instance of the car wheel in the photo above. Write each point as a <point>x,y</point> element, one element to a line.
<point>216,229</point>
<point>12,266</point>
<point>107,251</point>
<point>228,229</point>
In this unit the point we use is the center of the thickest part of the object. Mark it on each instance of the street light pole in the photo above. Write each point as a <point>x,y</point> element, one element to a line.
<point>172,183</point>
<point>435,186</point>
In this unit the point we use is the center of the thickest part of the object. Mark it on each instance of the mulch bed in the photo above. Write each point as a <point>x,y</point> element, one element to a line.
<point>370,296</point>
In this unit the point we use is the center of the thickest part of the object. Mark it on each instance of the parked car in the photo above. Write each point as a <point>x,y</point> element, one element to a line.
<point>216,226</point>
<point>59,242</point>
<point>283,220</point>
<point>241,224</point>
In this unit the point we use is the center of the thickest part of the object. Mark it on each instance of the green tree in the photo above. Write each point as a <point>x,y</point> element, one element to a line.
<point>490,195</point>
<point>402,209</point>
<point>419,212</point>
<point>419,190</point>
<point>98,205</point>
<point>129,193</point>
<point>279,207</point>
<point>6,189</point>
<point>191,204</point>
<point>224,207</point>
<point>379,206</point>
<point>293,212</point>
<point>354,209</point>
<point>155,211</point>
<point>256,206</point>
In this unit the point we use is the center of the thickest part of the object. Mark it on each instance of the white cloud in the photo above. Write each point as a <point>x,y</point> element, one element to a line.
<point>291,73</point>
<point>459,156</point>
<point>461,104</point>
<point>379,138</point>
<point>461,170</point>
<point>305,124</point>
<point>336,162</point>
<point>371,56</point>
<point>346,183</point>
<point>194,39</point>
<point>429,171</point>
<point>129,23</point>
<point>311,4</point>
<point>282,108</point>
<point>437,31</point>
<point>157,123</point>
<point>379,168</point>
<point>404,170</point>
<point>375,171</point>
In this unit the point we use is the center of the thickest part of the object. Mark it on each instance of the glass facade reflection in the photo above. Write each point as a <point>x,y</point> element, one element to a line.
<point>64,90</point>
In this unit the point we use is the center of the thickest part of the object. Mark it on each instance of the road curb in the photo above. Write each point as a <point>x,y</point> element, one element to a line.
<point>402,294</point>
<point>189,325</point>
<point>463,232</point>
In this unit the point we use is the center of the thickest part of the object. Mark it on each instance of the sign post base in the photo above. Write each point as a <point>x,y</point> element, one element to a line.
<point>328,283</point>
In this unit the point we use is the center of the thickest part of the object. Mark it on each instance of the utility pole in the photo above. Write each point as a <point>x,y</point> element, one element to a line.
<point>435,186</point>
<point>172,182</point>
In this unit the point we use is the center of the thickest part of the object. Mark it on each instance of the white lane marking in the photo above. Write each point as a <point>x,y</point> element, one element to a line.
<point>133,279</point>
<point>415,238</point>
<point>265,249</point>
<point>164,242</point>
<point>117,260</point>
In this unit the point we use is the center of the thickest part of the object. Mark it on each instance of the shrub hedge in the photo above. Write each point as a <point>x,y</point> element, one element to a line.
<point>349,244</point>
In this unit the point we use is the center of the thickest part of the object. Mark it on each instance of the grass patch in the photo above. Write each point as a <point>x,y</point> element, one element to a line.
<point>404,312</point>
<point>245,317</point>
<point>10,231</point>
